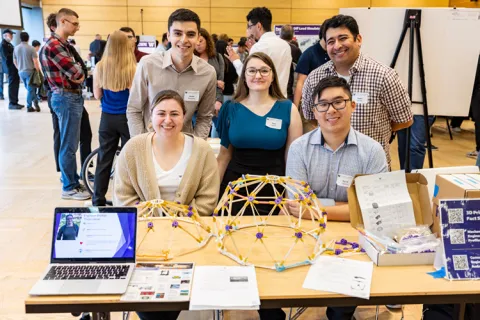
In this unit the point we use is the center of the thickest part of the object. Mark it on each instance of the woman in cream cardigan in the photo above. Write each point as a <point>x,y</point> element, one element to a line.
<point>167,164</point>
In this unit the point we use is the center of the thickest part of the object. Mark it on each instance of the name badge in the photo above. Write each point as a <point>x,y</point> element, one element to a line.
<point>344,181</point>
<point>274,123</point>
<point>191,96</point>
<point>360,97</point>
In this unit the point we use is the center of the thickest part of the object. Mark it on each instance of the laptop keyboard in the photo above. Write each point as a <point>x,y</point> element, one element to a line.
<point>90,272</point>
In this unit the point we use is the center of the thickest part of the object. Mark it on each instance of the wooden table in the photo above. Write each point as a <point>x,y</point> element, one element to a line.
<point>390,285</point>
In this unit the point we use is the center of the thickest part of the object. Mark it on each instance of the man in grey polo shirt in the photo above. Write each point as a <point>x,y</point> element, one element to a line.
<point>176,69</point>
<point>328,157</point>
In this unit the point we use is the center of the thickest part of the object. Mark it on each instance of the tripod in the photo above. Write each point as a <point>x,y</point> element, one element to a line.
<point>413,20</point>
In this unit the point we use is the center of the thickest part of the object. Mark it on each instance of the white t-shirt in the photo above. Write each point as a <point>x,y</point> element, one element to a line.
<point>347,78</point>
<point>169,181</point>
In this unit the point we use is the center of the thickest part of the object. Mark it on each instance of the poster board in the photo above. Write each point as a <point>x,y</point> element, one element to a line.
<point>305,34</point>
<point>450,56</point>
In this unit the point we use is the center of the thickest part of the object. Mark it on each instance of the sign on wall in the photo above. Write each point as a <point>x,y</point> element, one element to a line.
<point>305,34</point>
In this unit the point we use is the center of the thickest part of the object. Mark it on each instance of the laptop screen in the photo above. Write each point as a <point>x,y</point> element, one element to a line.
<point>94,234</point>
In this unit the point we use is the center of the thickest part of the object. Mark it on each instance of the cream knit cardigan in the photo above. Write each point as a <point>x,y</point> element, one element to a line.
<point>135,177</point>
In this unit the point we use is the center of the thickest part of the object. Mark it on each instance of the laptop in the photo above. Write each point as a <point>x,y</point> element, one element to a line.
<point>93,251</point>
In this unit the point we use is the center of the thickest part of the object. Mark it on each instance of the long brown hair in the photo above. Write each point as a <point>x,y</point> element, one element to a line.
<point>116,70</point>
<point>242,89</point>
<point>210,49</point>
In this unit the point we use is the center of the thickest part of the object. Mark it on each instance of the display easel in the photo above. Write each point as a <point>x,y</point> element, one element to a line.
<point>412,21</point>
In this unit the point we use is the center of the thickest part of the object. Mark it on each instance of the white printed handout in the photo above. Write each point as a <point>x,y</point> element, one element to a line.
<point>157,282</point>
<point>385,203</point>
<point>345,276</point>
<point>225,288</point>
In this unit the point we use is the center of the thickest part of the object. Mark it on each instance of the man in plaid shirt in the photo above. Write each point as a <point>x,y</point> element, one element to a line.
<point>382,101</point>
<point>65,77</point>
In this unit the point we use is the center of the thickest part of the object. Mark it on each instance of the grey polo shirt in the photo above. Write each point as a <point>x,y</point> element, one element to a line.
<point>24,54</point>
<point>311,160</point>
<point>196,84</point>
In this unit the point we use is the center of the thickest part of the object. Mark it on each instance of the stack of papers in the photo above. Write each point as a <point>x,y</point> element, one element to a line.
<point>345,276</point>
<point>160,282</point>
<point>225,288</point>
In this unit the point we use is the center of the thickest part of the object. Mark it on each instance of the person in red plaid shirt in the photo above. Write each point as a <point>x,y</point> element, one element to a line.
<point>65,77</point>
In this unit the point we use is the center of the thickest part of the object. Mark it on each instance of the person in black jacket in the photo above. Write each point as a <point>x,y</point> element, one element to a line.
<point>9,66</point>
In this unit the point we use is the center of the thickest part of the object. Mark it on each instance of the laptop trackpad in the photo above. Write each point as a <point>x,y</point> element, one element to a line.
<point>80,286</point>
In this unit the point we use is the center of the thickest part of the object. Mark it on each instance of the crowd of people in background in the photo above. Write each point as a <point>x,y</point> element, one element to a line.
<point>315,115</point>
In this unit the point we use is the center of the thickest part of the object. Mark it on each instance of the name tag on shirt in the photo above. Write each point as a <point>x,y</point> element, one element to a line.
<point>360,97</point>
<point>274,123</point>
<point>344,181</point>
<point>191,96</point>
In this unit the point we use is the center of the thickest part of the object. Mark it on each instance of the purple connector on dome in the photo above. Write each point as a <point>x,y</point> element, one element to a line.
<point>301,198</point>
<point>362,250</point>
<point>343,242</point>
<point>190,208</point>
<point>190,214</point>
<point>259,235</point>
<point>338,251</point>
<point>323,225</point>
<point>228,227</point>
<point>299,235</point>
<point>355,245</point>
<point>278,200</point>
<point>250,199</point>
<point>175,223</point>
<point>150,225</point>
<point>177,202</point>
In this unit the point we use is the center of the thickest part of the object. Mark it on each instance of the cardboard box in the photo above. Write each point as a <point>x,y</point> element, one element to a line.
<point>453,186</point>
<point>418,190</point>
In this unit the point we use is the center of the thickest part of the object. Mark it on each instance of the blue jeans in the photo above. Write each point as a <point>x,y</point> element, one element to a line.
<point>31,95</point>
<point>1,82</point>
<point>417,143</point>
<point>68,107</point>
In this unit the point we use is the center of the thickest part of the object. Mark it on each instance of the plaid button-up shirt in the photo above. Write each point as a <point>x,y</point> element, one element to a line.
<point>388,99</point>
<point>58,64</point>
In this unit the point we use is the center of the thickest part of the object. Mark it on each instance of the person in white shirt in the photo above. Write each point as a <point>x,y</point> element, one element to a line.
<point>259,29</point>
<point>163,46</point>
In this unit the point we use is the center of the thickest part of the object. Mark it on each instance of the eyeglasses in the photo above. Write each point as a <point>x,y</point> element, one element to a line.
<point>252,72</point>
<point>249,26</point>
<point>338,105</point>
<point>75,24</point>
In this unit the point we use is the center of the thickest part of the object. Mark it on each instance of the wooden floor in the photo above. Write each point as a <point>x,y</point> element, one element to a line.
<point>30,189</point>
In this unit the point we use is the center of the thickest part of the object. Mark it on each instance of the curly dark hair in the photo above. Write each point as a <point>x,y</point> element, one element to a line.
<point>262,15</point>
<point>211,52</point>
<point>338,21</point>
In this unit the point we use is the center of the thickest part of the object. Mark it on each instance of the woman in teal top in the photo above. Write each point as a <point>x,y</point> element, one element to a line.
<point>257,126</point>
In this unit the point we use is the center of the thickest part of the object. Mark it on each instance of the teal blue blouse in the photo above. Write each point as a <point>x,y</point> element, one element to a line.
<point>243,129</point>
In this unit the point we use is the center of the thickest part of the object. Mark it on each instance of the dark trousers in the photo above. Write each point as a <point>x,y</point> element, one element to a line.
<point>113,127</point>
<point>340,313</point>
<point>85,136</point>
<point>1,82</point>
<point>13,85</point>
<point>56,130</point>
<point>456,122</point>
<point>265,314</point>
<point>450,311</point>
